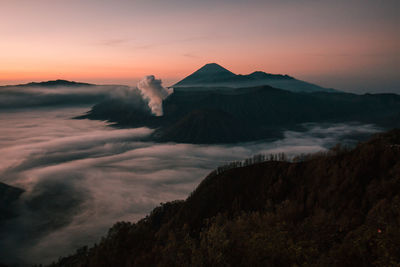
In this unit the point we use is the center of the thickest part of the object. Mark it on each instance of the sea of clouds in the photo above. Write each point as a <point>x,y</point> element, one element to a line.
<point>82,176</point>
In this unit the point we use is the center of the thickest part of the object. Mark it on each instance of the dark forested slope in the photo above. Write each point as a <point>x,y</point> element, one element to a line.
<point>8,196</point>
<point>340,208</point>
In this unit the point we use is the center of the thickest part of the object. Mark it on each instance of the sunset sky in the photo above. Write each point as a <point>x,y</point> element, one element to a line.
<point>344,44</point>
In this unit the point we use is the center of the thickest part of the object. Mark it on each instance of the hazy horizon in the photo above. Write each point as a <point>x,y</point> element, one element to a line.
<point>169,82</point>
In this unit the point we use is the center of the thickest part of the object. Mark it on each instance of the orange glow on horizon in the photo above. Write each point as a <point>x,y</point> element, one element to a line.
<point>341,44</point>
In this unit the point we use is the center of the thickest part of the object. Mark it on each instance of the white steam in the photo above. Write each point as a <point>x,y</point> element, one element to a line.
<point>153,92</point>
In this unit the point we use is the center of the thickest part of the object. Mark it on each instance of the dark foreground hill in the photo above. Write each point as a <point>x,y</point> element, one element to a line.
<point>340,208</point>
<point>8,196</point>
<point>247,114</point>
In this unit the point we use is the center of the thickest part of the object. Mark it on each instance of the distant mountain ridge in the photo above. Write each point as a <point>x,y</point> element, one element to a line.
<point>214,75</point>
<point>54,93</point>
<point>52,83</point>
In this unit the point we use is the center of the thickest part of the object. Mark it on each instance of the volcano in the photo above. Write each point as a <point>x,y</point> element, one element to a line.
<point>213,76</point>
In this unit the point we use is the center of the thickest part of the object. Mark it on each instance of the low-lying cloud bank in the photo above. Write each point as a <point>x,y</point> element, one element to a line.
<point>22,97</point>
<point>81,176</point>
<point>149,92</point>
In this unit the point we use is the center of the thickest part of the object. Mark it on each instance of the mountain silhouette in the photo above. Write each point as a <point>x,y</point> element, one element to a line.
<point>56,83</point>
<point>209,73</point>
<point>53,83</point>
<point>214,75</point>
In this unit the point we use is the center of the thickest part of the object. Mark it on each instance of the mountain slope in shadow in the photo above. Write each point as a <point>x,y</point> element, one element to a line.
<point>8,196</point>
<point>339,208</point>
<point>247,114</point>
<point>208,126</point>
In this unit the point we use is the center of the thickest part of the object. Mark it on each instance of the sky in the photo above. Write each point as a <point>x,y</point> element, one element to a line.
<point>351,45</point>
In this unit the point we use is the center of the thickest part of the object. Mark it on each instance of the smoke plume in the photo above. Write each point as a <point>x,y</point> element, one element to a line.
<point>153,92</point>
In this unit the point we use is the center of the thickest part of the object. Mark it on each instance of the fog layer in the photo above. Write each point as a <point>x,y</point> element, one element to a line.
<point>82,176</point>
